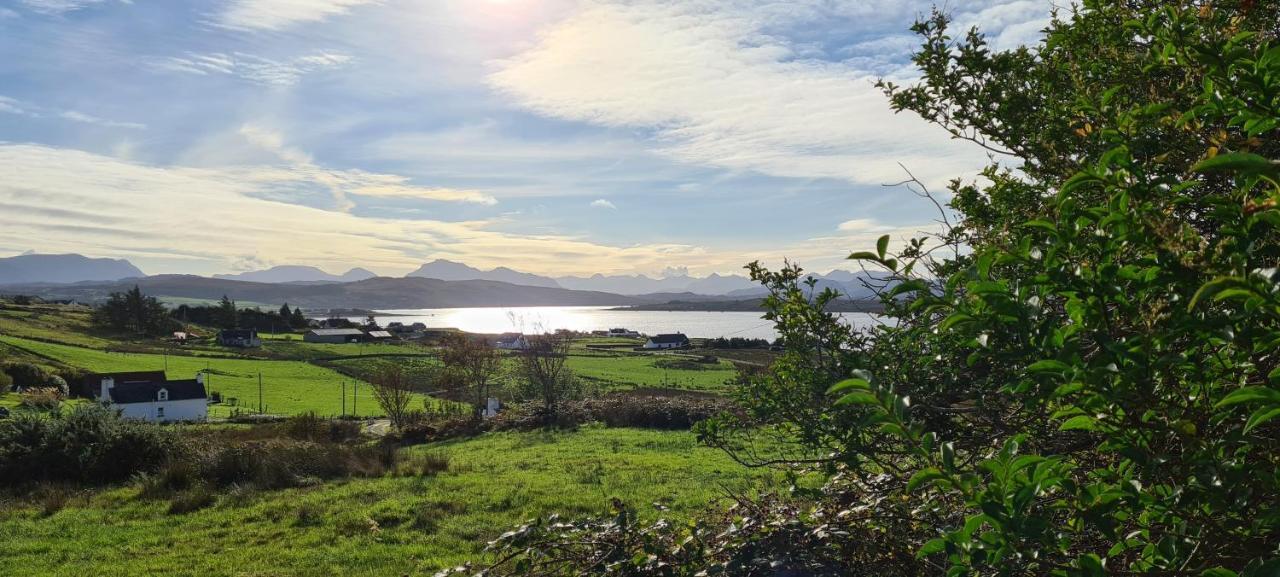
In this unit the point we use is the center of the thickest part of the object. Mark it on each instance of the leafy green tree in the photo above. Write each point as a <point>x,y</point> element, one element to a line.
<point>1079,378</point>
<point>298,320</point>
<point>134,312</point>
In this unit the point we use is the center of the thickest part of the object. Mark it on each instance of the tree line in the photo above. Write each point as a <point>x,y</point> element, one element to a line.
<point>133,312</point>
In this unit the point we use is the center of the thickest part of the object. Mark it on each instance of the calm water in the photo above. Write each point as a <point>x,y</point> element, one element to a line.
<point>542,319</point>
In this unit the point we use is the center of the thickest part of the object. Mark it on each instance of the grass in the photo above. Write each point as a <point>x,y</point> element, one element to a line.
<point>387,526</point>
<point>289,387</point>
<point>621,371</point>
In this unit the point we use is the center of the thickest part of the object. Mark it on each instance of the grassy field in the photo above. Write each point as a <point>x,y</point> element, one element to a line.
<point>377,527</point>
<point>288,387</point>
<point>622,371</point>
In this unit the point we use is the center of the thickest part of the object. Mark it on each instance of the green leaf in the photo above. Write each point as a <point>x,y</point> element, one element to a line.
<point>1079,423</point>
<point>857,398</point>
<point>1261,416</point>
<point>1218,572</point>
<point>923,476</point>
<point>1245,163</point>
<point>882,245</point>
<point>846,384</point>
<point>1250,395</point>
<point>863,255</point>
<point>1048,366</point>
<point>935,545</point>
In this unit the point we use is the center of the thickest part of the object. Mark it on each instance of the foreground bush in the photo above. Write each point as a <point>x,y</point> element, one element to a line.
<point>271,464</point>
<point>88,444</point>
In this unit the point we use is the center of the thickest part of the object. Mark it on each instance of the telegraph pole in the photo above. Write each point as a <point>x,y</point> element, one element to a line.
<point>259,392</point>
<point>344,398</point>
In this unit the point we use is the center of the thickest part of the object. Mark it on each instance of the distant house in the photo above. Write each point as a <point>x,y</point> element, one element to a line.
<point>158,400</point>
<point>617,332</point>
<point>669,341</point>
<point>334,336</point>
<point>243,338</point>
<point>380,336</point>
<point>511,342</point>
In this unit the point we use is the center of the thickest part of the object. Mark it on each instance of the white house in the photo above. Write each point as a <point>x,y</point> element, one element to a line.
<point>669,341</point>
<point>159,400</point>
<point>512,342</point>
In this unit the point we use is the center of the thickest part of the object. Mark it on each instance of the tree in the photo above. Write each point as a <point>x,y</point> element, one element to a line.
<point>1079,378</point>
<point>297,320</point>
<point>543,375</point>
<point>393,393</point>
<point>228,317</point>
<point>472,365</point>
<point>134,312</point>
<point>285,312</point>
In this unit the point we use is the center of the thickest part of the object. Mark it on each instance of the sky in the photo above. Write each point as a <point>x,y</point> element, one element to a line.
<point>559,137</point>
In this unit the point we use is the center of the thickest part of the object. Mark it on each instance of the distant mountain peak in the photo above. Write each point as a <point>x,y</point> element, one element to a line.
<point>289,273</point>
<point>30,267</point>
<point>449,270</point>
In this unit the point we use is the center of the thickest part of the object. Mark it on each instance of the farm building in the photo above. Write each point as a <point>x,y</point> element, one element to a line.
<point>668,341</point>
<point>334,336</point>
<point>243,338</point>
<point>158,400</point>
<point>511,342</point>
<point>380,336</point>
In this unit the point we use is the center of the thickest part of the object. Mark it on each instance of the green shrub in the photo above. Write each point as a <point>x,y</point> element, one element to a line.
<point>88,444</point>
<point>41,398</point>
<point>6,383</point>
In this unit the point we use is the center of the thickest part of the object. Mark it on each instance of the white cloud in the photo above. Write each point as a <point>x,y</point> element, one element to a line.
<point>279,14</point>
<point>14,106</point>
<point>863,225</point>
<point>718,88</point>
<point>58,6</point>
<point>74,201</point>
<point>77,116</point>
<point>257,69</point>
<point>603,203</point>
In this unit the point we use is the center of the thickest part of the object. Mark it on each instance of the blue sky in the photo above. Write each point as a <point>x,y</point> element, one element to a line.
<point>558,137</point>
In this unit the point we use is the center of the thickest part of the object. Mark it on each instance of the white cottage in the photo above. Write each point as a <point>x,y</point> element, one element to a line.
<point>511,342</point>
<point>668,341</point>
<point>158,400</point>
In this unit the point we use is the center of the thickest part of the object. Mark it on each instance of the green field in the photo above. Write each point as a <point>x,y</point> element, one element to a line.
<point>288,387</point>
<point>377,527</point>
<point>622,371</point>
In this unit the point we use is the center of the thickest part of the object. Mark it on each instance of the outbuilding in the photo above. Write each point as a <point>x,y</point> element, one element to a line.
<point>334,336</point>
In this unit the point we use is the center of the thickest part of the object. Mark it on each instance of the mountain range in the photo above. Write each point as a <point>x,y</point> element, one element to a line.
<point>32,269</point>
<point>294,273</point>
<point>63,268</point>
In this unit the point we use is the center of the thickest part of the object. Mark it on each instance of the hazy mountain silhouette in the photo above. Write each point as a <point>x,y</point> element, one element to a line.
<point>63,268</point>
<point>449,270</point>
<point>295,273</point>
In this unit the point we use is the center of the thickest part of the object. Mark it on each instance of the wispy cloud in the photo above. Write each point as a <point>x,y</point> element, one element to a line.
<point>719,86</point>
<point>603,203</point>
<point>212,214</point>
<point>15,106</point>
<point>253,68</point>
<point>279,14</point>
<point>58,6</point>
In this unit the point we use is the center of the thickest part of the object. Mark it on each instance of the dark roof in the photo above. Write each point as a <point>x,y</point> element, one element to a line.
<point>146,392</point>
<point>237,333</point>
<point>670,338</point>
<point>93,382</point>
<point>337,332</point>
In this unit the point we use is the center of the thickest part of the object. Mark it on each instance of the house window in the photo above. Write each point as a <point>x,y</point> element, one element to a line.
<point>163,395</point>
<point>159,412</point>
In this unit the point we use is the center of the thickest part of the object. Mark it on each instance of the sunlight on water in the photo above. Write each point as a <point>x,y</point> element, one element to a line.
<point>545,319</point>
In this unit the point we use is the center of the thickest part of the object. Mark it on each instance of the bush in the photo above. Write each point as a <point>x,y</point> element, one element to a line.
<point>6,383</point>
<point>42,398</point>
<point>89,444</point>
<point>26,374</point>
<point>310,427</point>
<point>678,412</point>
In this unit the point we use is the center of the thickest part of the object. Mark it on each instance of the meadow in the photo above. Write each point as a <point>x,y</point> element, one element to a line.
<point>405,525</point>
<point>288,387</point>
